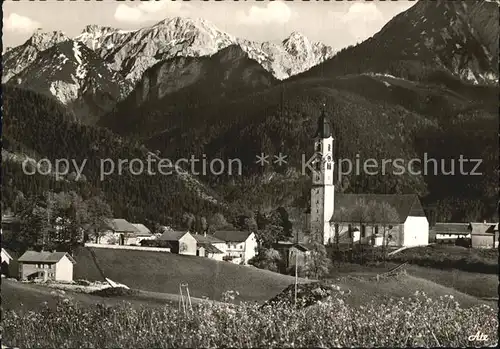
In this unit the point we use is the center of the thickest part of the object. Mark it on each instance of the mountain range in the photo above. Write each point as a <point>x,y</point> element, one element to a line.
<point>426,83</point>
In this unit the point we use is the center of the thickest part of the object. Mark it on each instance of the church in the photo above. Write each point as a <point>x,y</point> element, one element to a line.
<point>374,219</point>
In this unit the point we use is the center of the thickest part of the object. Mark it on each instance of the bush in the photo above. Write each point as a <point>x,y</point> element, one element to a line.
<point>156,243</point>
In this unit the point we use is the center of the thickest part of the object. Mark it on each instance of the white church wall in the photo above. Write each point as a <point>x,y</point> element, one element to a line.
<point>416,231</point>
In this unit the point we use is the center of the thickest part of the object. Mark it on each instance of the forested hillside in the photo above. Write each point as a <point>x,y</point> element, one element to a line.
<point>36,126</point>
<point>373,116</point>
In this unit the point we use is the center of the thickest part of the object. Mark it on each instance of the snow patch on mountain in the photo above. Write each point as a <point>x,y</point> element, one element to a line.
<point>65,92</point>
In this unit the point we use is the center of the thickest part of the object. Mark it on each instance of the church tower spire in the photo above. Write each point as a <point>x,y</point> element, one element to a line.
<point>323,130</point>
<point>322,191</point>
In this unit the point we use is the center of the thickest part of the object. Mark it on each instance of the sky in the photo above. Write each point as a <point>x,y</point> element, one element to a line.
<point>335,23</point>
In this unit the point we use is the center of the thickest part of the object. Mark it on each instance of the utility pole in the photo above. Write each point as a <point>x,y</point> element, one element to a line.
<point>296,277</point>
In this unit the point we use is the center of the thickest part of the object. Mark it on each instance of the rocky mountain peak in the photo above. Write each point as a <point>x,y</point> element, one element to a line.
<point>43,40</point>
<point>94,28</point>
<point>297,44</point>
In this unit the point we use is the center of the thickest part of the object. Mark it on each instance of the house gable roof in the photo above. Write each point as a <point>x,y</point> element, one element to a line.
<point>232,235</point>
<point>122,225</point>
<point>303,247</point>
<point>44,257</point>
<point>482,228</point>
<point>142,229</point>
<point>7,254</point>
<point>210,248</point>
<point>207,239</point>
<point>405,205</point>
<point>173,235</point>
<point>451,228</point>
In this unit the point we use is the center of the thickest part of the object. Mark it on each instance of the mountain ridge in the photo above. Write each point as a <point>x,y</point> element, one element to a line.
<point>76,77</point>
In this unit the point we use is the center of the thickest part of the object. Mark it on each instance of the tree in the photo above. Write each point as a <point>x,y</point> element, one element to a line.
<point>272,232</point>
<point>360,214</point>
<point>98,216</point>
<point>218,221</point>
<point>69,218</point>
<point>188,221</point>
<point>34,226</point>
<point>387,216</point>
<point>267,258</point>
<point>317,262</point>
<point>340,219</point>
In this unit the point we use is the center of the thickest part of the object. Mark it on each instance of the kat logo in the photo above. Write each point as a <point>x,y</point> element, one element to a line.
<point>478,337</point>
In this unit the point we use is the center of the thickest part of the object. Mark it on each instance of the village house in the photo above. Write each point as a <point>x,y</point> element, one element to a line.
<point>449,232</point>
<point>56,266</point>
<point>119,231</point>
<point>484,235</point>
<point>209,246</point>
<point>143,233</point>
<point>181,242</point>
<point>297,255</point>
<point>6,262</point>
<point>293,254</point>
<point>240,246</point>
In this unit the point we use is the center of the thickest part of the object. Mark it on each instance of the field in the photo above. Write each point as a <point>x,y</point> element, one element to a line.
<point>416,307</point>
<point>419,320</point>
<point>22,298</point>
<point>163,272</point>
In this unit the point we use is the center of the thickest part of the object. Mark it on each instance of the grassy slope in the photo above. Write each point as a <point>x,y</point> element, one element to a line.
<point>159,272</point>
<point>478,285</point>
<point>451,257</point>
<point>25,297</point>
<point>163,272</point>
<point>475,284</point>
<point>366,289</point>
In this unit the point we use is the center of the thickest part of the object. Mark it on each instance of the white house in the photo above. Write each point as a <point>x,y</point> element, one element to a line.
<point>118,231</point>
<point>240,246</point>
<point>450,232</point>
<point>6,261</point>
<point>333,214</point>
<point>143,233</point>
<point>181,242</point>
<point>45,265</point>
<point>209,246</point>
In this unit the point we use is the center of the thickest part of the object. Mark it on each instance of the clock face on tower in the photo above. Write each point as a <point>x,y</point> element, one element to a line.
<point>328,158</point>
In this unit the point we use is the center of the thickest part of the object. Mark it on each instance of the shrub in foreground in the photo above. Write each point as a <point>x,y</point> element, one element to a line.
<point>417,321</point>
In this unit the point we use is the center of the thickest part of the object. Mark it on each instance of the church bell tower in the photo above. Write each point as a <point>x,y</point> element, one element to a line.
<point>322,191</point>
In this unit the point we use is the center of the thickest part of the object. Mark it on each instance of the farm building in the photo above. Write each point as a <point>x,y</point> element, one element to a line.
<point>57,266</point>
<point>143,233</point>
<point>209,246</point>
<point>240,246</point>
<point>484,235</point>
<point>119,232</point>
<point>450,232</point>
<point>7,261</point>
<point>298,254</point>
<point>181,242</point>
